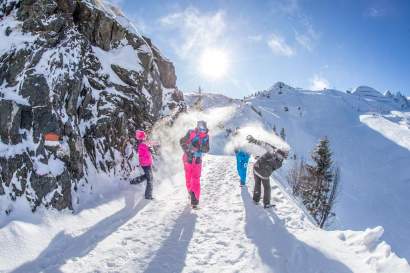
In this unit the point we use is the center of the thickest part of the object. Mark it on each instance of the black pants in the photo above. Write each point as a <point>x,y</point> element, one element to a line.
<point>148,177</point>
<point>257,190</point>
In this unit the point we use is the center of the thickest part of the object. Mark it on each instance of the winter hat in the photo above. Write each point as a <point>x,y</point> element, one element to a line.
<point>140,135</point>
<point>201,124</point>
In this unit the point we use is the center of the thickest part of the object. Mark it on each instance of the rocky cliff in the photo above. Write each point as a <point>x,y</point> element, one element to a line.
<point>76,79</point>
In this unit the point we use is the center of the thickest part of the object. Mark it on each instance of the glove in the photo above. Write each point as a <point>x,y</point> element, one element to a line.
<point>251,139</point>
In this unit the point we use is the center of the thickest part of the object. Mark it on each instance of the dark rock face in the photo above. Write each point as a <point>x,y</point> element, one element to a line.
<point>61,79</point>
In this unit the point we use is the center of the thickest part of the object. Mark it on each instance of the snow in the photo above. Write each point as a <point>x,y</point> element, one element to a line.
<point>123,233</point>
<point>369,140</point>
<point>212,99</point>
<point>14,42</point>
<point>7,150</point>
<point>114,230</point>
<point>60,62</point>
<point>10,93</point>
<point>54,167</point>
<point>123,56</point>
<point>17,39</point>
<point>391,130</point>
<point>366,91</point>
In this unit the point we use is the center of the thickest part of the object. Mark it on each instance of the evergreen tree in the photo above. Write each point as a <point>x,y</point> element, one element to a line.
<point>321,183</point>
<point>274,129</point>
<point>282,133</point>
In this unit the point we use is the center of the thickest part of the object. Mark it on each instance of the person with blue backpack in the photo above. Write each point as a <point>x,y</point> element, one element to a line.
<point>242,159</point>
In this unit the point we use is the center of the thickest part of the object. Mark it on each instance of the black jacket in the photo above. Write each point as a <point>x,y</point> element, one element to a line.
<point>268,162</point>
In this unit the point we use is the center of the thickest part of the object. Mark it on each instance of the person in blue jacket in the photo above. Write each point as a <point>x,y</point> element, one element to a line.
<point>242,159</point>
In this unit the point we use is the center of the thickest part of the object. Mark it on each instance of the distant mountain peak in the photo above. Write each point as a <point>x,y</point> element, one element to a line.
<point>281,85</point>
<point>367,91</point>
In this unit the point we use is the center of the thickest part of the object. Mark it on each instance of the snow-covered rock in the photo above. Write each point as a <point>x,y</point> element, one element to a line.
<point>78,70</point>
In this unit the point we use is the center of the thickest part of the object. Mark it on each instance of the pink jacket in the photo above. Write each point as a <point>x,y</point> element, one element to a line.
<point>144,155</point>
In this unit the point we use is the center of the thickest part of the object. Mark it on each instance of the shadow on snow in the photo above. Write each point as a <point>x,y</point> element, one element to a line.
<point>279,250</point>
<point>64,247</point>
<point>172,254</point>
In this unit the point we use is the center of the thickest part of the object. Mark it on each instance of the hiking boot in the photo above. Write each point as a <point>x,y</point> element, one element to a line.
<point>136,180</point>
<point>266,206</point>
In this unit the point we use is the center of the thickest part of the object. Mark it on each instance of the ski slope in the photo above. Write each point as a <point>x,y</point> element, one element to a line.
<point>228,234</point>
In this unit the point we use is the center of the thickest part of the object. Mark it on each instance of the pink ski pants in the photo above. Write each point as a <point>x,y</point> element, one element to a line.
<point>193,177</point>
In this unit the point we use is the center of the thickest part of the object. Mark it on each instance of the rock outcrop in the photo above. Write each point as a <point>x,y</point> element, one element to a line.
<point>79,70</point>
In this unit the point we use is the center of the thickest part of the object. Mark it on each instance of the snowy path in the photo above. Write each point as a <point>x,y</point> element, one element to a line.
<point>228,234</point>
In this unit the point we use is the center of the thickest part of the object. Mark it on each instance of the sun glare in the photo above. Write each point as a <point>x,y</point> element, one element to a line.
<point>213,63</point>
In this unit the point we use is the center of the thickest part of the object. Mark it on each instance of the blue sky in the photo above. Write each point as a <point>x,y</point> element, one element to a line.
<point>306,43</point>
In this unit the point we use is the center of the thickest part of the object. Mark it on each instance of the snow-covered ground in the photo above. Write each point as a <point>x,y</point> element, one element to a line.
<point>369,135</point>
<point>228,234</point>
<point>115,230</point>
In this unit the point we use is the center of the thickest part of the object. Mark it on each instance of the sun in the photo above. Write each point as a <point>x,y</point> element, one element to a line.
<point>213,63</point>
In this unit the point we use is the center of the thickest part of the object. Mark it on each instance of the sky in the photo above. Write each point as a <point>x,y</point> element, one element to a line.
<point>312,44</point>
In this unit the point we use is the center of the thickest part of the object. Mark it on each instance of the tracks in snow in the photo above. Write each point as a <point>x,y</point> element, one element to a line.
<point>228,234</point>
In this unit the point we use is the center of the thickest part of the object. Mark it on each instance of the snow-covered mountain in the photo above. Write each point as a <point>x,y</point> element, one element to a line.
<point>121,232</point>
<point>76,79</point>
<point>369,135</point>
<point>211,100</point>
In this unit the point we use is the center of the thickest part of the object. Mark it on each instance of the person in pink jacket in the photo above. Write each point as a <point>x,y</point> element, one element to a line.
<point>194,144</point>
<point>145,160</point>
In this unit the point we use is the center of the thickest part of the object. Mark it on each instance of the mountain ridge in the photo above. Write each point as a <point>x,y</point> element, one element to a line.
<point>369,139</point>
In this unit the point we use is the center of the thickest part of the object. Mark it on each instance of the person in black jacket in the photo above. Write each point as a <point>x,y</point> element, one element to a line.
<point>263,169</point>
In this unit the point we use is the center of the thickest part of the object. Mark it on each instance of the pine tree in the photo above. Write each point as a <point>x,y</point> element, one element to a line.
<point>282,133</point>
<point>274,129</point>
<point>321,183</point>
